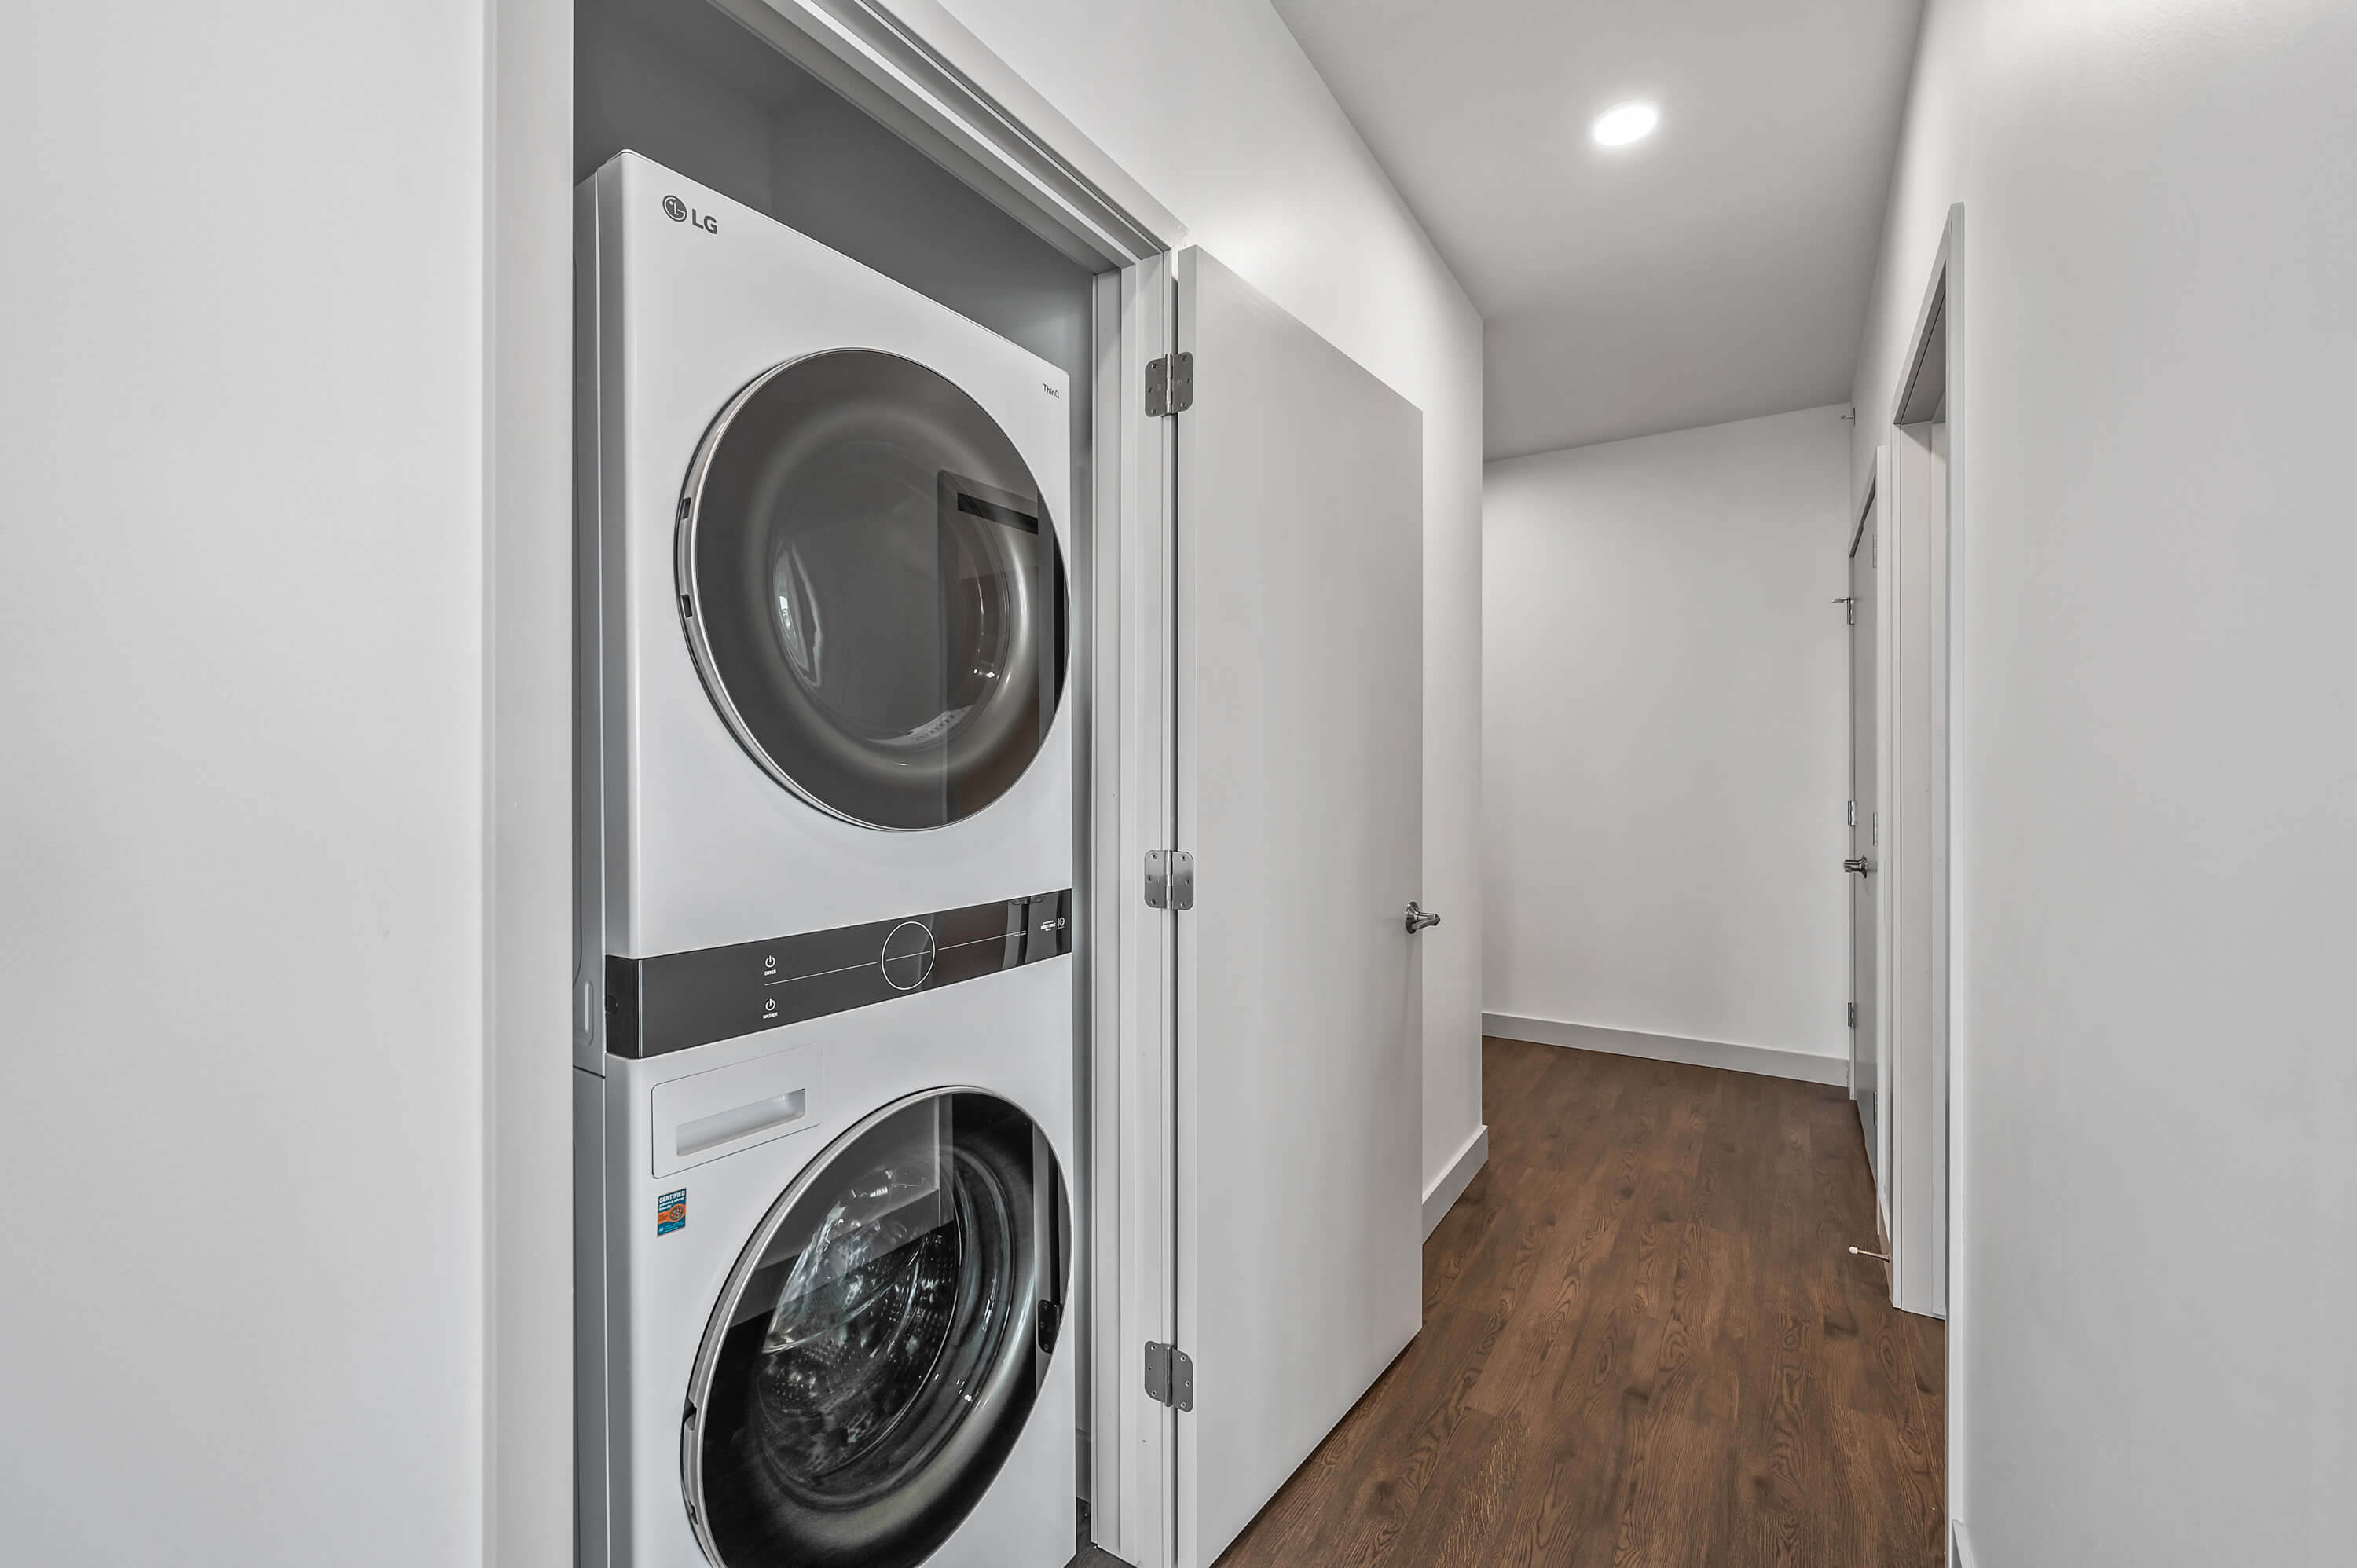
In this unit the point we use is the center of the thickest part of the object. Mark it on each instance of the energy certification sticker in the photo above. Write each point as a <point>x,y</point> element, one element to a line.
<point>671,1212</point>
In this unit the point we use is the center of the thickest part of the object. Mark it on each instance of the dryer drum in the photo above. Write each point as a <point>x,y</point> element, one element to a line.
<point>880,1342</point>
<point>872,589</point>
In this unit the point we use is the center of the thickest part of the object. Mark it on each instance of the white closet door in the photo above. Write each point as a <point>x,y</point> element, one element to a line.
<point>1300,764</point>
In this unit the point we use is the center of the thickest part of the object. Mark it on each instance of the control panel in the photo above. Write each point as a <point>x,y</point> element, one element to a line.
<point>673,1000</point>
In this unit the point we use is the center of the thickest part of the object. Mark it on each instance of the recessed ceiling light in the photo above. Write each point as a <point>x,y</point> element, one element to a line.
<point>1626,123</point>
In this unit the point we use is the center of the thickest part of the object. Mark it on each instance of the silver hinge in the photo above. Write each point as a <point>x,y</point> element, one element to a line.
<point>1853,1015</point>
<point>1849,609</point>
<point>1169,879</point>
<point>1852,813</point>
<point>1170,1376</point>
<point>1170,384</point>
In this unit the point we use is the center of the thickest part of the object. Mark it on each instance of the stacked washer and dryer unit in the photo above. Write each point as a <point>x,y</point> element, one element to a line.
<point>825,1099</point>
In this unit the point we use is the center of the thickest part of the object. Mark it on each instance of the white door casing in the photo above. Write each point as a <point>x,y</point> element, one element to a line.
<point>1299,791</point>
<point>1916,839</point>
<point>1919,589</point>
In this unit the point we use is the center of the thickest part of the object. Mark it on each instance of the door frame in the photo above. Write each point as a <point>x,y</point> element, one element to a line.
<point>1918,589</point>
<point>1921,471</point>
<point>918,72</point>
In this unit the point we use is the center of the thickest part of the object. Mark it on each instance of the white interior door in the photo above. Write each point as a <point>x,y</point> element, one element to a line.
<point>1300,521</point>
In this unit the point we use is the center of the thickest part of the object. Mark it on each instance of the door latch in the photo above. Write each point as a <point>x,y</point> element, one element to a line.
<point>1169,879</point>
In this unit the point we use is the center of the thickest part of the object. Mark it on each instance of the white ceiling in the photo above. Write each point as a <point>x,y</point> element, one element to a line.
<point>1715,270</point>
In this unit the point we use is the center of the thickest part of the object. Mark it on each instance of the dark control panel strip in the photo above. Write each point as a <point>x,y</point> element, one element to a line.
<point>676,1000</point>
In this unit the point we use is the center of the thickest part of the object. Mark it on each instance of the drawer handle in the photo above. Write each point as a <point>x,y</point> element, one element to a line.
<point>742,1121</point>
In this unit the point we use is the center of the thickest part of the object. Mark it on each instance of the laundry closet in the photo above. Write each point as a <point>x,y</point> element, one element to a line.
<point>828,1082</point>
<point>996,1073</point>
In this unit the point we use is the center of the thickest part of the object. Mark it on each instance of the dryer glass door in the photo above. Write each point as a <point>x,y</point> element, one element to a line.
<point>872,589</point>
<point>880,1342</point>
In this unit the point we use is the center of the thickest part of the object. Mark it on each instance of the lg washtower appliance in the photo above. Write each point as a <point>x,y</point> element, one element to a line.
<point>825,1096</point>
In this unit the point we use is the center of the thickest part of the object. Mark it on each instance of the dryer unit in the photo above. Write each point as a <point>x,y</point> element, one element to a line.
<point>823,608</point>
<point>825,1042</point>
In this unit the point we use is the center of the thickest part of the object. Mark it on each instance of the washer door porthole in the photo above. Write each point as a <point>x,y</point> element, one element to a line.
<point>872,589</point>
<point>879,1345</point>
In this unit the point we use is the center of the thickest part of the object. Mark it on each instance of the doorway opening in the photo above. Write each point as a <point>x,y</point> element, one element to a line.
<point>926,160</point>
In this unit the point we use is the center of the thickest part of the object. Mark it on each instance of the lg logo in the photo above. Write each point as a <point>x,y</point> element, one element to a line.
<point>682,213</point>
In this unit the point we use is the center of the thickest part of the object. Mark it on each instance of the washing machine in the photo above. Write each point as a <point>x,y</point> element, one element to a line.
<point>825,1073</point>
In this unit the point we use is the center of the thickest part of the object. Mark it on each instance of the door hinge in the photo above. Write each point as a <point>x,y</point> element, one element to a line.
<point>1169,879</point>
<point>1170,1376</point>
<point>1170,384</point>
<point>1853,1015</point>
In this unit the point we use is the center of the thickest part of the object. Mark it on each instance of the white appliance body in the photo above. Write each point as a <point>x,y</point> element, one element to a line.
<point>693,845</point>
<point>1008,1034</point>
<point>914,960</point>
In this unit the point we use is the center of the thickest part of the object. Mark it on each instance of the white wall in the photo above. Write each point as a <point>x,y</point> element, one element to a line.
<point>242,849</point>
<point>1211,106</point>
<point>2154,1111</point>
<point>1666,693</point>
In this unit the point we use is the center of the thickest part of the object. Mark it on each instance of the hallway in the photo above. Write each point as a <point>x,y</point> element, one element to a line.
<point>1643,1341</point>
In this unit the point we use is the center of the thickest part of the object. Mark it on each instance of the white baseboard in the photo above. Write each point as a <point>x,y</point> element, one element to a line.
<point>1451,1185</point>
<point>1961,1554</point>
<point>1771,1061</point>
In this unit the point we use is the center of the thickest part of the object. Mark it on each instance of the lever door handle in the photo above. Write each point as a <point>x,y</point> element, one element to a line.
<point>1418,920</point>
<point>1863,866</point>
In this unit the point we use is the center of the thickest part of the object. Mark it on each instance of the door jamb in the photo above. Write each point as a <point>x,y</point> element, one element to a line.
<point>1918,545</point>
<point>1932,390</point>
<point>918,72</point>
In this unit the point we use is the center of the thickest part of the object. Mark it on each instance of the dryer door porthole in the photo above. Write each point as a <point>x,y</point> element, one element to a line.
<point>880,1342</point>
<point>872,589</point>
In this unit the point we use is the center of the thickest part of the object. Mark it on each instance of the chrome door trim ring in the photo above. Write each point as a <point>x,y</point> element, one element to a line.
<point>690,594</point>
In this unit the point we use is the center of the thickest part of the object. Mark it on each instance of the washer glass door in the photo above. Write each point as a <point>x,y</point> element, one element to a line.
<point>872,589</point>
<point>880,1342</point>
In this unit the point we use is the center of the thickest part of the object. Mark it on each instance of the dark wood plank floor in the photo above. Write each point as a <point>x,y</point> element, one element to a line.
<point>1643,1342</point>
